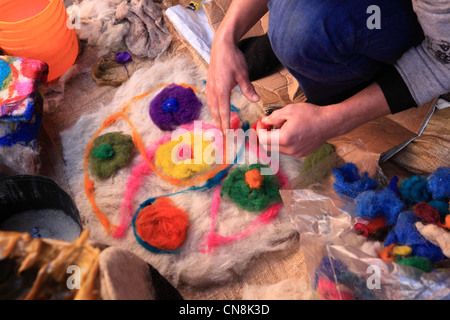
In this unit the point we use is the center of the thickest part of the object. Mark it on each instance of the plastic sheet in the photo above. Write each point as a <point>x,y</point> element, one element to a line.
<point>341,264</point>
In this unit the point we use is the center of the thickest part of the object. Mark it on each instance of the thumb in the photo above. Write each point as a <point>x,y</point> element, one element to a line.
<point>248,90</point>
<point>276,119</point>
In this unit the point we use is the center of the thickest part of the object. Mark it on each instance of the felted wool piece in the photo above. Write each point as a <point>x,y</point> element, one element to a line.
<point>405,233</point>
<point>190,266</point>
<point>110,152</point>
<point>349,182</point>
<point>137,25</point>
<point>414,190</point>
<point>373,204</point>
<point>174,106</point>
<point>438,183</point>
<point>254,199</point>
<point>436,235</point>
<point>19,84</point>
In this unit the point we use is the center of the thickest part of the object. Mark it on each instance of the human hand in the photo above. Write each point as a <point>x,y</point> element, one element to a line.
<point>227,69</point>
<point>303,127</point>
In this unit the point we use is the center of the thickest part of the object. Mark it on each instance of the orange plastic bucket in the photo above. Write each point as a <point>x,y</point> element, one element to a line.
<point>37,29</point>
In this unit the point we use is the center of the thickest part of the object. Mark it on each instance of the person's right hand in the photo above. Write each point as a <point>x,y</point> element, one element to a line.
<point>227,69</point>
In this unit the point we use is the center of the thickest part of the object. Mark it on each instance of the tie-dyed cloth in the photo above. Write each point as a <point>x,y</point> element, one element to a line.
<point>19,80</point>
<point>20,100</point>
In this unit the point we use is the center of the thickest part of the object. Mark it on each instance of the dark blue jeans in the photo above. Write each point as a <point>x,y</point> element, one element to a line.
<point>327,46</point>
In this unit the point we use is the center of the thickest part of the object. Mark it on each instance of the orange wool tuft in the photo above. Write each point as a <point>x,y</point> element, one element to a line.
<point>162,225</point>
<point>254,178</point>
<point>387,254</point>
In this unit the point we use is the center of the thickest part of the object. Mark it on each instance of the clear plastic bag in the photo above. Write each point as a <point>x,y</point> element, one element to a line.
<point>341,264</point>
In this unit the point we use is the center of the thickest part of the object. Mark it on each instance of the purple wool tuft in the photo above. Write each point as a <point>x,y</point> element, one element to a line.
<point>166,116</point>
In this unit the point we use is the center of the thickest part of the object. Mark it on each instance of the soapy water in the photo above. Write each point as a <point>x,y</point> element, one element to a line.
<point>46,223</point>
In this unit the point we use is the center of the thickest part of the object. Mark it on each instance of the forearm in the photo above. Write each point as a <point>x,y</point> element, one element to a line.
<point>241,16</point>
<point>367,105</point>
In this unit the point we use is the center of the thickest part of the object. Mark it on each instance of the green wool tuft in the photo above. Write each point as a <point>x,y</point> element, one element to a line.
<point>317,156</point>
<point>421,263</point>
<point>110,152</point>
<point>237,189</point>
<point>104,151</point>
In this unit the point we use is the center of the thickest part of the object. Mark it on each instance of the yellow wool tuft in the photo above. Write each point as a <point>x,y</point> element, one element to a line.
<point>402,251</point>
<point>167,156</point>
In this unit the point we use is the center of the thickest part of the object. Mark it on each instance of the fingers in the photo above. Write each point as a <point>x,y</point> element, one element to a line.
<point>277,118</point>
<point>224,111</point>
<point>211,100</point>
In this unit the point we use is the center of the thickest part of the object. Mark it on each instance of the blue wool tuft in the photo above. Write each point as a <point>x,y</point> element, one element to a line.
<point>170,105</point>
<point>405,233</point>
<point>373,204</point>
<point>441,207</point>
<point>438,183</point>
<point>414,190</point>
<point>329,268</point>
<point>393,185</point>
<point>348,181</point>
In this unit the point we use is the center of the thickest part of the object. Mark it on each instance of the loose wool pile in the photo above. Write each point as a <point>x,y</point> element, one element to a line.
<point>191,264</point>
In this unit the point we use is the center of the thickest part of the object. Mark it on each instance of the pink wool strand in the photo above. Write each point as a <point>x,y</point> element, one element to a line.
<point>213,239</point>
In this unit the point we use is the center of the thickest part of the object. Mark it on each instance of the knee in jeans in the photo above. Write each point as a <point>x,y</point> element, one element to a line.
<point>296,36</point>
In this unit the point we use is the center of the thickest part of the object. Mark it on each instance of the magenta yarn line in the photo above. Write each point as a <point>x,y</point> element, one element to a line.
<point>214,239</point>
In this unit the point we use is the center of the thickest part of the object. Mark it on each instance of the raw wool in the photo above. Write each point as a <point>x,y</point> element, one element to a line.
<point>436,235</point>
<point>190,265</point>
<point>137,25</point>
<point>289,289</point>
<point>19,160</point>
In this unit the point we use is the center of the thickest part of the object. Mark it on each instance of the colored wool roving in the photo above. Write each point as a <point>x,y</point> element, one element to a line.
<point>438,183</point>
<point>110,152</point>
<point>373,204</point>
<point>174,106</point>
<point>349,182</point>
<point>182,160</point>
<point>161,226</point>
<point>251,190</point>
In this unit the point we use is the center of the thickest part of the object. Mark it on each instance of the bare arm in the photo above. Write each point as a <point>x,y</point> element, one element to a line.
<point>228,67</point>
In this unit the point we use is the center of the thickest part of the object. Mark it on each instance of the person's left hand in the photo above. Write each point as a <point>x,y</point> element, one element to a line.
<point>303,127</point>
